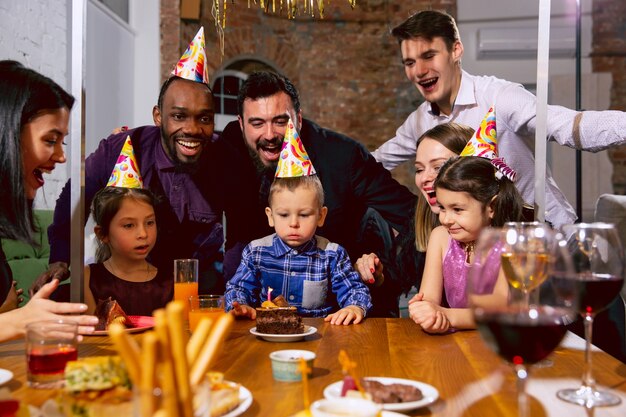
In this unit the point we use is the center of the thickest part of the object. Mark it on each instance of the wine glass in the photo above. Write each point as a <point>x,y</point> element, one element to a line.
<point>522,322</point>
<point>599,274</point>
<point>525,256</point>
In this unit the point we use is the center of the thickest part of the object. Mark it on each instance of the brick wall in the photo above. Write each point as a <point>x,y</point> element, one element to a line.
<point>346,67</point>
<point>609,55</point>
<point>33,32</point>
<point>170,36</point>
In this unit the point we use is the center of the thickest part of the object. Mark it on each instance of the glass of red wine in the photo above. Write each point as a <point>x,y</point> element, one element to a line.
<point>522,322</point>
<point>599,275</point>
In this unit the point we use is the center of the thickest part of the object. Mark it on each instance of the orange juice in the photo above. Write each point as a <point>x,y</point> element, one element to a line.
<point>182,292</point>
<point>196,315</point>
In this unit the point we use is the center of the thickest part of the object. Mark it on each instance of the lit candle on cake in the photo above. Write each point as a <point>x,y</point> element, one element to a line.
<point>269,293</point>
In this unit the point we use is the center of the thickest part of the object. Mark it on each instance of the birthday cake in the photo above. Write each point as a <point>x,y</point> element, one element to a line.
<point>278,317</point>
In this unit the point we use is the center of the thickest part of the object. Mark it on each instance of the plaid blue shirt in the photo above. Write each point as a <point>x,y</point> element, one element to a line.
<point>316,278</point>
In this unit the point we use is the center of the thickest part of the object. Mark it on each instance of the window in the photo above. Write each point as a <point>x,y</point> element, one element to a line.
<point>226,88</point>
<point>119,7</point>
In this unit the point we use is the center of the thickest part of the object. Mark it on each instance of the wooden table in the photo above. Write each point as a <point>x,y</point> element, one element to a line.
<point>471,380</point>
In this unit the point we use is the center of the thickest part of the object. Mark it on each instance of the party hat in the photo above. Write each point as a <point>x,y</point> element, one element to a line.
<point>484,144</point>
<point>193,64</point>
<point>293,161</point>
<point>126,171</point>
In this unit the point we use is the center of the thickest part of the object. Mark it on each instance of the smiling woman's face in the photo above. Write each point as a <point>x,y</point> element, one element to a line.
<point>42,147</point>
<point>429,158</point>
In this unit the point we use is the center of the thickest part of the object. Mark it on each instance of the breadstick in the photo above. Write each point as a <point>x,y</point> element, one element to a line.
<point>174,311</point>
<point>168,382</point>
<point>211,347</point>
<point>148,372</point>
<point>197,339</point>
<point>128,349</point>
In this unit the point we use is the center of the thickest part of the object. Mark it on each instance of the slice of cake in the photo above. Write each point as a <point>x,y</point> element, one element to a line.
<point>272,319</point>
<point>224,394</point>
<point>109,311</point>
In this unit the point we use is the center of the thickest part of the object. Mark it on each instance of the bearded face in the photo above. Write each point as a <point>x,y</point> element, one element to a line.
<point>186,122</point>
<point>264,124</point>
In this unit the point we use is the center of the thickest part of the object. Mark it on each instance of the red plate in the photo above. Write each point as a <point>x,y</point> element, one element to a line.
<point>140,324</point>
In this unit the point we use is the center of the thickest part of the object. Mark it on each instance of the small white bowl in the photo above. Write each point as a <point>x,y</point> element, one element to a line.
<point>286,363</point>
<point>345,406</point>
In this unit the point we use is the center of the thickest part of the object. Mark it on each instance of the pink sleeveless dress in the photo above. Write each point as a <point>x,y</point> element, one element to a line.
<point>456,270</point>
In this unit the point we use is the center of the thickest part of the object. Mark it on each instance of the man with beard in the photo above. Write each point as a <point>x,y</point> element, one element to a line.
<point>354,183</point>
<point>180,163</point>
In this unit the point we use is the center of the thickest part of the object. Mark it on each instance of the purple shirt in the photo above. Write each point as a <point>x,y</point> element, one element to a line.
<point>190,207</point>
<point>456,271</point>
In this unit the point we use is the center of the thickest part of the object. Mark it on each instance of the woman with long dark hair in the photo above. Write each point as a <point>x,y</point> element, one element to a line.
<point>34,116</point>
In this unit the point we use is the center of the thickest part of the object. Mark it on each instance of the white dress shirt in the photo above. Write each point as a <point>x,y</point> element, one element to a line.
<point>515,124</point>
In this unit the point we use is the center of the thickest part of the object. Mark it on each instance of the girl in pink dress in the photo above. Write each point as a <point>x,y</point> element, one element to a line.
<point>472,195</point>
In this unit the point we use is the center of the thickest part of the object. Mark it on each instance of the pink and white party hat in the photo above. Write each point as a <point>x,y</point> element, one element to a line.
<point>484,144</point>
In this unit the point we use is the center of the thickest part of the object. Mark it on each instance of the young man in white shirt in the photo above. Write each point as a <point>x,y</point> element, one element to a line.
<point>431,53</point>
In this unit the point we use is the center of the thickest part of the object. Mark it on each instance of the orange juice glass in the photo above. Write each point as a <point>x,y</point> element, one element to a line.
<point>185,280</point>
<point>211,306</point>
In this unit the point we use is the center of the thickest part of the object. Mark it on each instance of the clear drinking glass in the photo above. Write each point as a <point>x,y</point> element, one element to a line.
<point>185,281</point>
<point>211,306</point>
<point>519,296</point>
<point>49,346</point>
<point>599,274</point>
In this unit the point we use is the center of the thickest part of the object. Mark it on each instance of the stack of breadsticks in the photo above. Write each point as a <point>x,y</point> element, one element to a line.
<point>169,360</point>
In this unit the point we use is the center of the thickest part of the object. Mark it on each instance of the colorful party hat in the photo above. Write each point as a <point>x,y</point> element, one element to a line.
<point>193,64</point>
<point>293,161</point>
<point>126,171</point>
<point>484,144</point>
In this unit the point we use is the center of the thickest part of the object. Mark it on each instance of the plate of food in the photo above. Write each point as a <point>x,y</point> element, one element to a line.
<point>138,324</point>
<point>308,330</point>
<point>245,400</point>
<point>413,394</point>
<point>5,376</point>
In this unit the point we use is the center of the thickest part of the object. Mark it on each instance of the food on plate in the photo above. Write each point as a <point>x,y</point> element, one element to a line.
<point>96,386</point>
<point>109,311</point>
<point>171,362</point>
<point>387,393</point>
<point>278,317</point>
<point>224,394</point>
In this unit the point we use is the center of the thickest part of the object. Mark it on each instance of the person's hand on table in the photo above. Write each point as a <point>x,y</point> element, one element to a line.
<point>40,308</point>
<point>370,268</point>
<point>56,270</point>
<point>430,316</point>
<point>243,310</point>
<point>347,315</point>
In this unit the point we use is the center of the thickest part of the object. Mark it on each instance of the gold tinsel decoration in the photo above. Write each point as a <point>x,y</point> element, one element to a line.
<point>308,7</point>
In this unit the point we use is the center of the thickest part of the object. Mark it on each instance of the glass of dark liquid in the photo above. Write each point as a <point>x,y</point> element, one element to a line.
<point>519,299</point>
<point>49,346</point>
<point>599,275</point>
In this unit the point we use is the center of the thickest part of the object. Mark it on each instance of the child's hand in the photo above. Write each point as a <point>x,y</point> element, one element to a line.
<point>417,297</point>
<point>243,310</point>
<point>346,315</point>
<point>370,269</point>
<point>431,317</point>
